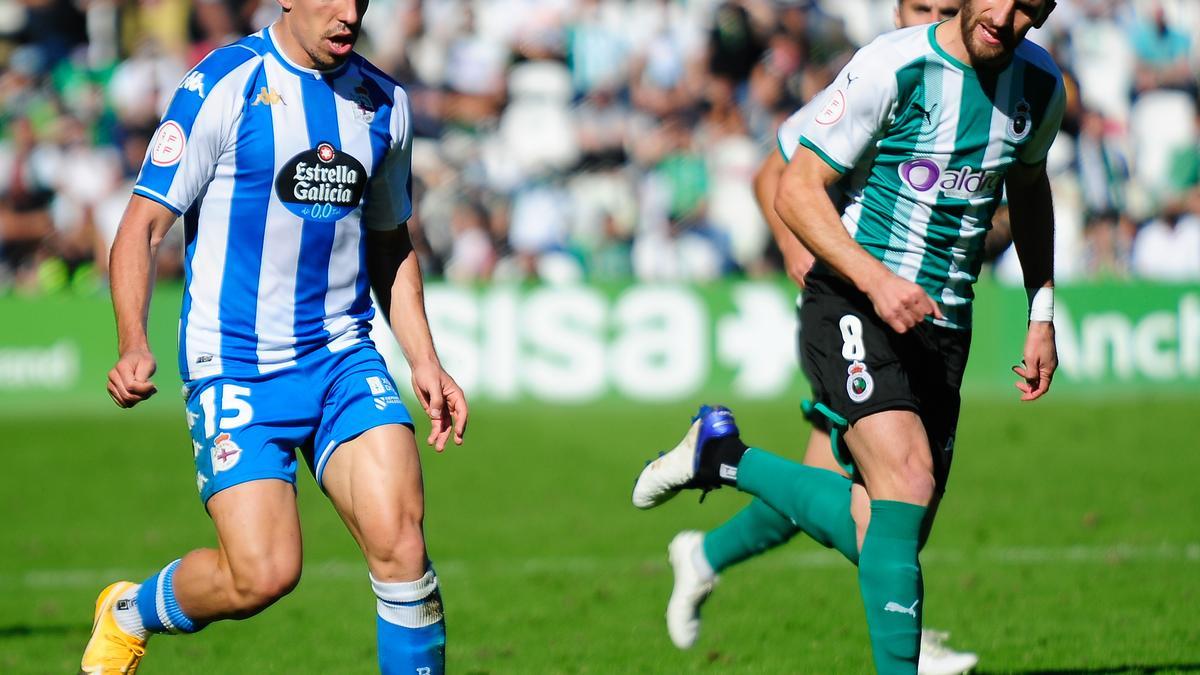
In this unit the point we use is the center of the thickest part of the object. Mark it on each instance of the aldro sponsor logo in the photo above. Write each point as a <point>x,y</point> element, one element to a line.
<point>924,174</point>
<point>322,184</point>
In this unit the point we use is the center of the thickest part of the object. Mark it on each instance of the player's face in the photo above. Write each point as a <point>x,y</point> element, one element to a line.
<point>992,29</point>
<point>325,29</point>
<point>920,12</point>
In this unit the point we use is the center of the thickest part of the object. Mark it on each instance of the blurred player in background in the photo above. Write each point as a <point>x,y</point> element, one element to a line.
<point>925,128</point>
<point>696,557</point>
<point>288,156</point>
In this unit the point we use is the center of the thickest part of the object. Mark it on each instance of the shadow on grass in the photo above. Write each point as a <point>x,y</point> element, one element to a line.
<point>17,631</point>
<point>1131,669</point>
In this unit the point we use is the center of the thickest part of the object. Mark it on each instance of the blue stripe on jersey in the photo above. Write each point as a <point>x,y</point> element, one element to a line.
<point>185,106</point>
<point>191,219</point>
<point>316,238</point>
<point>381,140</point>
<point>247,225</point>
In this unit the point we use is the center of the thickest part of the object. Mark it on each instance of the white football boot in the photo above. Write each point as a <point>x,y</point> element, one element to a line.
<point>938,659</point>
<point>690,591</point>
<point>663,478</point>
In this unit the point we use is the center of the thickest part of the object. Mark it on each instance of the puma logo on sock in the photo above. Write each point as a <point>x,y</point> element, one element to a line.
<point>901,609</point>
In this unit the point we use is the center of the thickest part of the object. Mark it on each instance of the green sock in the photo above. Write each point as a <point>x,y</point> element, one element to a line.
<point>816,500</point>
<point>889,576</point>
<point>753,530</point>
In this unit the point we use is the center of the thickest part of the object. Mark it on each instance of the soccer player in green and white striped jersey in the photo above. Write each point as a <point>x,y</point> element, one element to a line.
<point>924,128</point>
<point>699,556</point>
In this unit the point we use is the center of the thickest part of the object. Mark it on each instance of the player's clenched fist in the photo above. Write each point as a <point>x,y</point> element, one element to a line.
<point>129,381</point>
<point>901,303</point>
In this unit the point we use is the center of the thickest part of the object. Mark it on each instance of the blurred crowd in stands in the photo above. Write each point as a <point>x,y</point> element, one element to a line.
<point>586,139</point>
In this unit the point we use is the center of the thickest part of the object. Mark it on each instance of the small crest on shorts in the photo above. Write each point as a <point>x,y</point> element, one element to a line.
<point>225,453</point>
<point>859,383</point>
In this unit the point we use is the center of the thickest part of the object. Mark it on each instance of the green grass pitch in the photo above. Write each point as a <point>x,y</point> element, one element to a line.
<point>1069,541</point>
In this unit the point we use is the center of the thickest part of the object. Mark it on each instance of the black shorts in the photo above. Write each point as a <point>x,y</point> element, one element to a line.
<point>814,417</point>
<point>859,366</point>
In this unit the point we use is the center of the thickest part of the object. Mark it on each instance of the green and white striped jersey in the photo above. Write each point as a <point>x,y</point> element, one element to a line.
<point>924,142</point>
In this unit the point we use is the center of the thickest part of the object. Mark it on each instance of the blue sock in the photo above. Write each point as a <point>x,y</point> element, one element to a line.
<point>156,604</point>
<point>411,628</point>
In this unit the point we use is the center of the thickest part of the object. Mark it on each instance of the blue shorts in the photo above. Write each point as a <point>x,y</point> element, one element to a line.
<point>249,428</point>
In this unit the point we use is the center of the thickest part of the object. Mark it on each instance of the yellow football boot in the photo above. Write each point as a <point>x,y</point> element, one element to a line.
<point>111,650</point>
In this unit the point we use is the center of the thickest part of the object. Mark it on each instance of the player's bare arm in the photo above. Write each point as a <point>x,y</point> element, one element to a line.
<point>804,205</point>
<point>395,275</point>
<point>134,250</point>
<point>1032,214</point>
<point>797,261</point>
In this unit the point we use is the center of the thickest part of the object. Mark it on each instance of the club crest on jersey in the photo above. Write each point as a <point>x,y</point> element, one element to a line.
<point>168,144</point>
<point>1020,122</point>
<point>834,110</point>
<point>225,453</point>
<point>322,184</point>
<point>364,108</point>
<point>326,153</point>
<point>859,383</point>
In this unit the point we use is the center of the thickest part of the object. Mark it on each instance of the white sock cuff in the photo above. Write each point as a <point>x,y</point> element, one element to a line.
<point>405,591</point>
<point>409,604</point>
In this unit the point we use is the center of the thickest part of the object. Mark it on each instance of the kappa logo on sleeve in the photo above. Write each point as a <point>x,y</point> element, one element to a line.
<point>169,143</point>
<point>194,82</point>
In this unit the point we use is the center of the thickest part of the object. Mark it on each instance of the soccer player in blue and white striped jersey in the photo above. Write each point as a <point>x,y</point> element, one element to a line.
<point>288,157</point>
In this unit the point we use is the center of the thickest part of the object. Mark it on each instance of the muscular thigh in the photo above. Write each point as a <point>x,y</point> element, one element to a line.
<point>258,521</point>
<point>860,368</point>
<point>367,462</point>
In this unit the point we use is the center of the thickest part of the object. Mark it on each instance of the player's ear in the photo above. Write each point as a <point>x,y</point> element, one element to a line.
<point>1046,10</point>
<point>285,5</point>
<point>896,16</point>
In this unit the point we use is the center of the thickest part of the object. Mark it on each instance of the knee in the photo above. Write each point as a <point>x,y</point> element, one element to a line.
<point>915,483</point>
<point>397,550</point>
<point>257,585</point>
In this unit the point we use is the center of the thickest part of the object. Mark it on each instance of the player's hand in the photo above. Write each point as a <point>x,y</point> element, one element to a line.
<point>129,381</point>
<point>1041,360</point>
<point>443,401</point>
<point>901,303</point>
<point>798,263</point>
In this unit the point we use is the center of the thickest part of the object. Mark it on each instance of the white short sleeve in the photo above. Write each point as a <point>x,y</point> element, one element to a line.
<point>853,111</point>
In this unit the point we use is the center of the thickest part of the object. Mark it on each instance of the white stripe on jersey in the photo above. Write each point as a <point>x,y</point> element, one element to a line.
<point>276,316</point>
<point>969,225</point>
<point>201,328</point>
<point>943,145</point>
<point>202,334</point>
<point>343,260</point>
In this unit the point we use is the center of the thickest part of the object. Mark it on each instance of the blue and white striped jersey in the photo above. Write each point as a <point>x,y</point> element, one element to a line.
<point>278,171</point>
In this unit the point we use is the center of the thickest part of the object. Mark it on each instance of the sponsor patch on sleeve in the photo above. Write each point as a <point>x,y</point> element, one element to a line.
<point>834,110</point>
<point>169,143</point>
